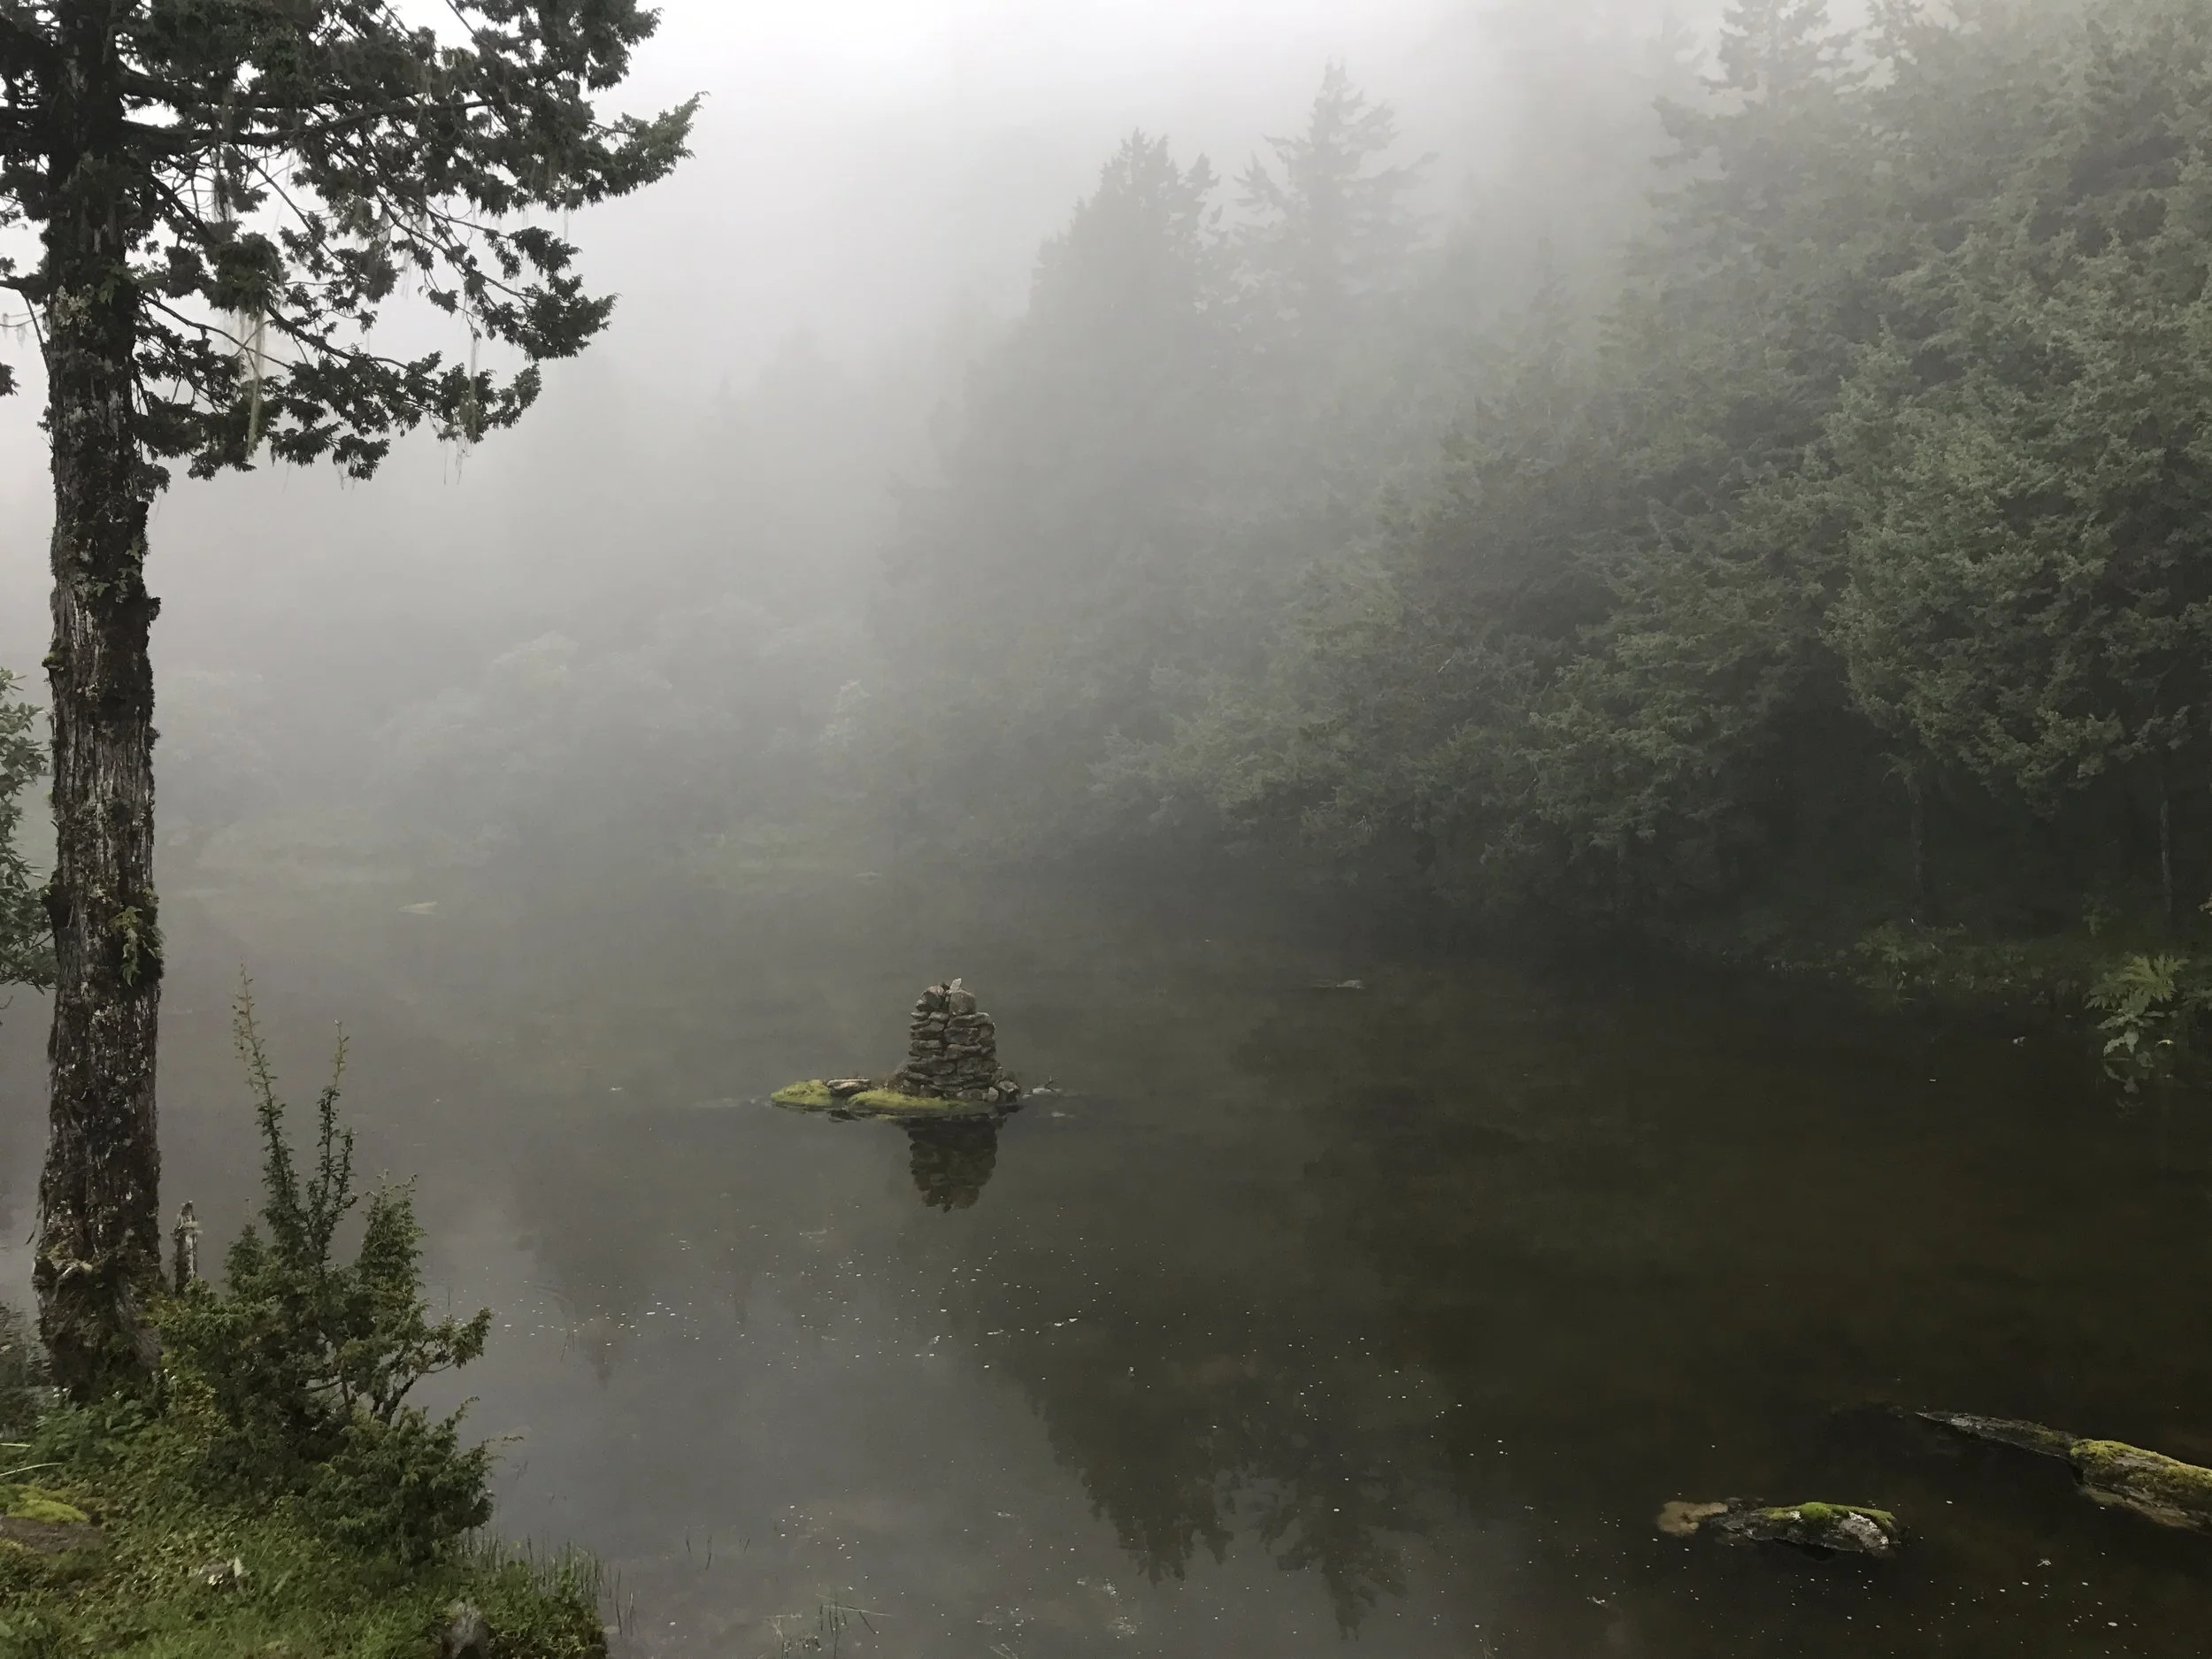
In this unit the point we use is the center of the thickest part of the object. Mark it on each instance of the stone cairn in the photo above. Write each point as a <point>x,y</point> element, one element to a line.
<point>952,1050</point>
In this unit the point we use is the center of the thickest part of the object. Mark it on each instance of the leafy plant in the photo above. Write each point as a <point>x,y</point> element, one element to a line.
<point>22,1375</point>
<point>2149,1005</point>
<point>1895,957</point>
<point>306,1360</point>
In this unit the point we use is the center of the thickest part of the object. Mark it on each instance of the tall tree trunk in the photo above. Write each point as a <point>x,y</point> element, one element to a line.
<point>99,1251</point>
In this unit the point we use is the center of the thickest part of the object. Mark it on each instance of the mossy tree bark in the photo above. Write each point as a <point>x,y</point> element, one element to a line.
<point>99,1252</point>
<point>206,178</point>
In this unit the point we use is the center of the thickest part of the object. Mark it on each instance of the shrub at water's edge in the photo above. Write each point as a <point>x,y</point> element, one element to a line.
<point>306,1362</point>
<point>279,1494</point>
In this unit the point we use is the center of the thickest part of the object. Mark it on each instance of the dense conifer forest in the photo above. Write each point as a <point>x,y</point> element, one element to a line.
<point>1831,554</point>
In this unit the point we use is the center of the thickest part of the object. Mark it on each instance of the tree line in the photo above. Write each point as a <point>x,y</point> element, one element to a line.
<point>1837,543</point>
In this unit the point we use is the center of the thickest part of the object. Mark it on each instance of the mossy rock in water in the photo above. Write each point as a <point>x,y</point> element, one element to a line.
<point>2158,1487</point>
<point>885,1102</point>
<point>1817,1529</point>
<point>2162,1488</point>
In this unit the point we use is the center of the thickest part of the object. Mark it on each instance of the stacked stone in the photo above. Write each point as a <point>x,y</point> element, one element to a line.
<point>952,1049</point>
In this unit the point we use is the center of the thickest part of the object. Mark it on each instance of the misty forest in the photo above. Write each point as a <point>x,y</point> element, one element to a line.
<point>1509,701</point>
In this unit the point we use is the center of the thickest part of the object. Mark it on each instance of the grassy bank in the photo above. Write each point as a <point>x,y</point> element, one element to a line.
<point>269,1493</point>
<point>119,1543</point>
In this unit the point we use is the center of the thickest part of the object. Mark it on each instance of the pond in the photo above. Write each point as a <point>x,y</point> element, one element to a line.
<point>1296,1315</point>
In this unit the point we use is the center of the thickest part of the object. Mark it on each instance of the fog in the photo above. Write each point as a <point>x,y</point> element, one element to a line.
<point>1478,623</point>
<point>862,215</point>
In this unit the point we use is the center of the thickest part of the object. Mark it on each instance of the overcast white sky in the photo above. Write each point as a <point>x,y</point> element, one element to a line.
<point>860,161</point>
<point>861,165</point>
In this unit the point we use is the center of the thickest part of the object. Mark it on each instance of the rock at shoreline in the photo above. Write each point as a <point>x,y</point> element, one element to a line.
<point>2158,1487</point>
<point>1817,1529</point>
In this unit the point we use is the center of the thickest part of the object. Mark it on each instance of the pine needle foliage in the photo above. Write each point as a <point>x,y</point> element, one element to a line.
<point>276,174</point>
<point>307,1359</point>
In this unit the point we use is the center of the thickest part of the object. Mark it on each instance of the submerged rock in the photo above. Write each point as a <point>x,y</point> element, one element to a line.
<point>2158,1487</point>
<point>1681,1519</point>
<point>1817,1529</point>
<point>2027,1437</point>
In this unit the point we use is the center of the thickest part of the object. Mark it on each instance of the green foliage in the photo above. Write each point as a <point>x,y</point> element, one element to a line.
<point>1142,469</point>
<point>306,1359</point>
<point>290,170</point>
<point>27,955</point>
<point>281,1450</point>
<point>305,1587</point>
<point>2150,1004</point>
<point>1852,559</point>
<point>23,1383</point>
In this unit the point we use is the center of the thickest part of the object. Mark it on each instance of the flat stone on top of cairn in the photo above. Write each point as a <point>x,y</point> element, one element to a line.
<point>952,1050</point>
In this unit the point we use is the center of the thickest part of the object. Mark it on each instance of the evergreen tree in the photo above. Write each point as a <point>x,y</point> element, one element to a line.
<point>1330,222</point>
<point>1035,588</point>
<point>2030,602</point>
<point>227,194</point>
<point>26,956</point>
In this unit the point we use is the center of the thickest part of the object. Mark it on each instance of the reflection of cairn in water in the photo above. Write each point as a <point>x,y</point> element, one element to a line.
<point>952,1050</point>
<point>952,1161</point>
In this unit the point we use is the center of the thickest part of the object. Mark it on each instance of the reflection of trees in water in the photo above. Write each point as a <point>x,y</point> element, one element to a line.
<point>952,1162</point>
<point>1271,1340</point>
<point>1191,1420</point>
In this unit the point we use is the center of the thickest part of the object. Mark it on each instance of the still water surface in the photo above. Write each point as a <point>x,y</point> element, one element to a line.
<point>1300,1317</point>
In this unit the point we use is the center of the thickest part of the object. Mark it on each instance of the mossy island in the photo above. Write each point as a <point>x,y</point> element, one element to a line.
<point>1819,1530</point>
<point>952,1070</point>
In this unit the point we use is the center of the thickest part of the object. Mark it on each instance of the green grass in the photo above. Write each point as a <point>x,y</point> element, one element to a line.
<point>135,1584</point>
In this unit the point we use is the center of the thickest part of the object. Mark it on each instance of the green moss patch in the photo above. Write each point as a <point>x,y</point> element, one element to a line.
<point>813,1096</point>
<point>1819,1529</point>
<point>30,1503</point>
<point>883,1103</point>
<point>1822,1514</point>
<point>2164,1489</point>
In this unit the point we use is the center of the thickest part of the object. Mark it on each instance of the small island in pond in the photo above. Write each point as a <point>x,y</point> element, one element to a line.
<point>952,1070</point>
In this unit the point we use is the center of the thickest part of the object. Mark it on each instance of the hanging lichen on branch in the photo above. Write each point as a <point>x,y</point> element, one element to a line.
<point>228,200</point>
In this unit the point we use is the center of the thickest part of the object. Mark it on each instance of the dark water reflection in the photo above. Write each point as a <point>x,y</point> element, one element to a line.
<point>952,1163</point>
<point>1300,1314</point>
